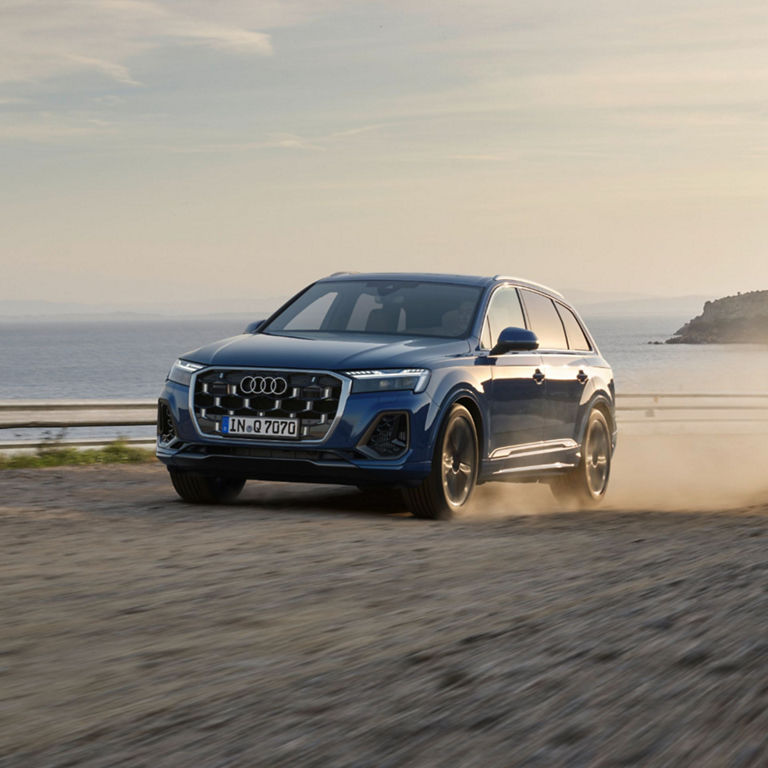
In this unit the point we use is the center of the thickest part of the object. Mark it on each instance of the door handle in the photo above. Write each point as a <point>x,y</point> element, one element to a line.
<point>539,377</point>
<point>582,377</point>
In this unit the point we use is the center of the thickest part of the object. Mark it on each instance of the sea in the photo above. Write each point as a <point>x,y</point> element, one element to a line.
<point>128,359</point>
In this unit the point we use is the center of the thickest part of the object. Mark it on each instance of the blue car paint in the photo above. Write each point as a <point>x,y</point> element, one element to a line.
<point>510,409</point>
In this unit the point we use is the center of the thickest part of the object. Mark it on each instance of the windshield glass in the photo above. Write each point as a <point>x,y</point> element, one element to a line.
<point>387,307</point>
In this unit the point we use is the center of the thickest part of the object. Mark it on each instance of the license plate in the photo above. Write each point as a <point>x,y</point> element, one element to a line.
<point>259,427</point>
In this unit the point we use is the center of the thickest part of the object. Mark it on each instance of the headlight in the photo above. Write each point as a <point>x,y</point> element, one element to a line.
<point>182,370</point>
<point>415,379</point>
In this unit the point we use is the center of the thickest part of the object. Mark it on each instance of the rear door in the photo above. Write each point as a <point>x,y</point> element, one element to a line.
<point>517,396</point>
<point>579,367</point>
<point>561,366</point>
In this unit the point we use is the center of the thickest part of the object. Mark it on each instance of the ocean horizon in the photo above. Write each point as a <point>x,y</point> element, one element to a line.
<point>128,359</point>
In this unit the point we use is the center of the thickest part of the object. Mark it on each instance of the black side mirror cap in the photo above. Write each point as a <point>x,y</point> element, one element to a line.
<point>515,340</point>
<point>254,326</point>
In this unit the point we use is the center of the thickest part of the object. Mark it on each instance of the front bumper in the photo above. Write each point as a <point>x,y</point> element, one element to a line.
<point>336,459</point>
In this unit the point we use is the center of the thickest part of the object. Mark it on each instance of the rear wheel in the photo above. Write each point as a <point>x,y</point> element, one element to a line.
<point>205,489</point>
<point>454,469</point>
<point>585,486</point>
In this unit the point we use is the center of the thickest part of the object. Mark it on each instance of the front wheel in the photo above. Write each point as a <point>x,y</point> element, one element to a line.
<point>205,489</point>
<point>585,486</point>
<point>454,469</point>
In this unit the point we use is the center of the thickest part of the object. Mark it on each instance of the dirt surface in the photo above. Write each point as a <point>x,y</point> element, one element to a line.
<point>317,626</point>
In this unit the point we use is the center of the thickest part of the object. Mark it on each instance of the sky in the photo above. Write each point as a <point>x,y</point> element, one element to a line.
<point>183,151</point>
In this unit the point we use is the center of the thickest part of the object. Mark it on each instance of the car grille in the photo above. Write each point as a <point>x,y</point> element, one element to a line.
<point>313,398</point>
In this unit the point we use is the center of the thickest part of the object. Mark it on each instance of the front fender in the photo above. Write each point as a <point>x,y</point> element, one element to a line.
<point>454,387</point>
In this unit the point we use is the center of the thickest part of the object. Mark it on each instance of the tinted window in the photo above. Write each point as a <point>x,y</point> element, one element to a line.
<point>391,307</point>
<point>504,311</point>
<point>545,322</point>
<point>363,311</point>
<point>576,336</point>
<point>311,314</point>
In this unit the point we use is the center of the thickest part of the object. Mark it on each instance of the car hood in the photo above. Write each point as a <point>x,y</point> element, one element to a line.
<point>358,352</point>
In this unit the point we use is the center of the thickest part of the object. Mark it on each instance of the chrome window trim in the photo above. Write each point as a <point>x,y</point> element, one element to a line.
<point>521,291</point>
<point>487,307</point>
<point>581,325</point>
<point>346,386</point>
<point>522,282</point>
<point>519,286</point>
<point>590,338</point>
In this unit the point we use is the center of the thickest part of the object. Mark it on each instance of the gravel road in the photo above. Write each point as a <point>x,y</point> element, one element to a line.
<point>316,626</point>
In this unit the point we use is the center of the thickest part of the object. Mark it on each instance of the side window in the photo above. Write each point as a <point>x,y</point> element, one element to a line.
<point>545,322</point>
<point>504,311</point>
<point>576,337</point>
<point>485,338</point>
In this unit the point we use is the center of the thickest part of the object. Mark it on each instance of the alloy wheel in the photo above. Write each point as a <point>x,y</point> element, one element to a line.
<point>458,462</point>
<point>597,458</point>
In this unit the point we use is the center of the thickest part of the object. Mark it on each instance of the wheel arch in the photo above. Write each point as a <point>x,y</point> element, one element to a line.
<point>602,403</point>
<point>470,401</point>
<point>477,417</point>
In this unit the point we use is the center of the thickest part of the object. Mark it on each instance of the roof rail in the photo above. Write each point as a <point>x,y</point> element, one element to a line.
<point>337,274</point>
<point>529,283</point>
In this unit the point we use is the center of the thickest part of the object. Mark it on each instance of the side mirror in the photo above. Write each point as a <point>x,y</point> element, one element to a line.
<point>515,340</point>
<point>254,326</point>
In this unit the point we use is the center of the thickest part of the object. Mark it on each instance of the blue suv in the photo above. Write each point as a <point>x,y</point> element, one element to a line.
<point>429,383</point>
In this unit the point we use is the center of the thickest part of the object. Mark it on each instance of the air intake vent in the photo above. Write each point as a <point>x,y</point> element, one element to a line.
<point>166,427</point>
<point>388,437</point>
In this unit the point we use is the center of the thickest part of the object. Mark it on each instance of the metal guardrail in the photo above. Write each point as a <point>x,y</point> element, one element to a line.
<point>631,409</point>
<point>691,407</point>
<point>64,414</point>
<point>76,415</point>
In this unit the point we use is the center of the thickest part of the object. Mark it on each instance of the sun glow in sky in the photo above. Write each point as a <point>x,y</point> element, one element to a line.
<point>179,150</point>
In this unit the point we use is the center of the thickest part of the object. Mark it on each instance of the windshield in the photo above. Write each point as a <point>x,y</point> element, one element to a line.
<point>387,307</point>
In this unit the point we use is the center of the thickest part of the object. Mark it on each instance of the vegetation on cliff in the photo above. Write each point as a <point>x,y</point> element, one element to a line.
<point>733,319</point>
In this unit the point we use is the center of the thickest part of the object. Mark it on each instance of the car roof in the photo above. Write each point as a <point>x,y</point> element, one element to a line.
<point>435,277</point>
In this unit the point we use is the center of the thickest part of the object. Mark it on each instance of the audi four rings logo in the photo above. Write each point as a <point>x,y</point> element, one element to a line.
<point>264,385</point>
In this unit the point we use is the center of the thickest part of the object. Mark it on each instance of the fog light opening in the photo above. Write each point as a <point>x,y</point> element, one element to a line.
<point>388,437</point>
<point>166,426</point>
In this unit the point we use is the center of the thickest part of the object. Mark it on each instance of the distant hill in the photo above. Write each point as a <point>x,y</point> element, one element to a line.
<point>734,319</point>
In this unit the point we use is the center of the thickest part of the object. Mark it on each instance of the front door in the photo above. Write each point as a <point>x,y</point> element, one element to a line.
<point>517,382</point>
<point>561,366</point>
<point>518,402</point>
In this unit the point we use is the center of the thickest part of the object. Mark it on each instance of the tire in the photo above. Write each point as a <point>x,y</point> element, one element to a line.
<point>455,463</point>
<point>584,487</point>
<point>205,489</point>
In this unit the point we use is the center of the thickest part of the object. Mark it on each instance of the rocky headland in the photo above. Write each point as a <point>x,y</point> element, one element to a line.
<point>731,320</point>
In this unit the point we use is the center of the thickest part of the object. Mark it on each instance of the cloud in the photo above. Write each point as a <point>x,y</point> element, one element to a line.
<point>45,126</point>
<point>287,141</point>
<point>41,39</point>
<point>110,68</point>
<point>476,158</point>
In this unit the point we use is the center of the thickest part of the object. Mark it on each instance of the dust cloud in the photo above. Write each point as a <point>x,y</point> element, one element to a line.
<point>693,472</point>
<point>690,472</point>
